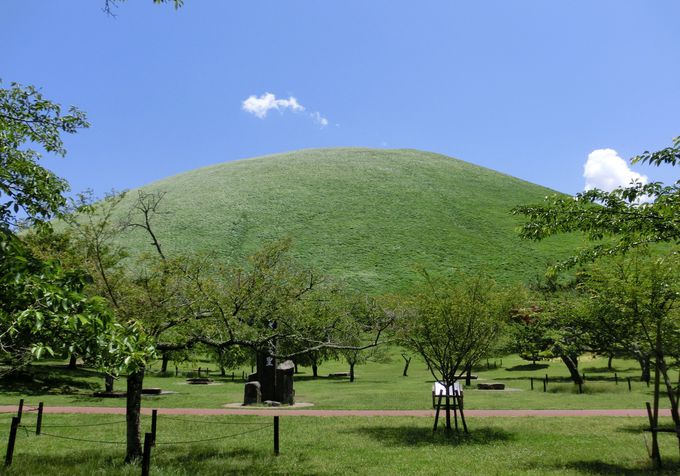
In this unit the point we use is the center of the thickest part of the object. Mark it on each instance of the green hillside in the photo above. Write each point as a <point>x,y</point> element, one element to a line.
<point>362,215</point>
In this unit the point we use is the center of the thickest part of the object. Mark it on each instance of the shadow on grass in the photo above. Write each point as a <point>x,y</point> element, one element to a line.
<point>42,380</point>
<point>527,367</point>
<point>602,467</point>
<point>600,370</point>
<point>423,436</point>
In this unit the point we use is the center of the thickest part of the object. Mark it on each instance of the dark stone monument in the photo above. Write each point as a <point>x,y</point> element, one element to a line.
<point>284,383</point>
<point>266,375</point>
<point>252,394</point>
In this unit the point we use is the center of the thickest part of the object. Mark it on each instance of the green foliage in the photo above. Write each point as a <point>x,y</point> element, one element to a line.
<point>44,310</point>
<point>27,119</point>
<point>452,325</point>
<point>620,220</point>
<point>634,297</point>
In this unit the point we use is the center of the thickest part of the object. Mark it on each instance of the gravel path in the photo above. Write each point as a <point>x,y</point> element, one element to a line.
<point>343,413</point>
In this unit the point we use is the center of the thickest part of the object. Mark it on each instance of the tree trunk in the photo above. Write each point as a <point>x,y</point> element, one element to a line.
<point>672,396</point>
<point>72,362</point>
<point>108,383</point>
<point>296,367</point>
<point>572,364</point>
<point>407,362</point>
<point>645,368</point>
<point>609,361</point>
<point>315,370</point>
<point>656,455</point>
<point>468,375</point>
<point>164,362</point>
<point>448,409</point>
<point>135,381</point>
<point>351,372</point>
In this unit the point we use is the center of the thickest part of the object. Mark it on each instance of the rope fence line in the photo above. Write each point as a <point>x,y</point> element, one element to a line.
<point>207,422</point>
<point>117,422</point>
<point>203,440</point>
<point>83,439</point>
<point>150,439</point>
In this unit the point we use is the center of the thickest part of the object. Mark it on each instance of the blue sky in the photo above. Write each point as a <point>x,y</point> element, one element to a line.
<point>529,88</point>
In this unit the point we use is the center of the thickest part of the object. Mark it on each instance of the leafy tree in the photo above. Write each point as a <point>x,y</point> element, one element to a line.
<point>452,325</point>
<point>27,119</point>
<point>363,313</point>
<point>151,295</point>
<point>42,308</point>
<point>638,299</point>
<point>616,222</point>
<point>529,334</point>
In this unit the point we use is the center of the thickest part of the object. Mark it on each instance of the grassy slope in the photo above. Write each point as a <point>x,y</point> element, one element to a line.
<point>362,215</point>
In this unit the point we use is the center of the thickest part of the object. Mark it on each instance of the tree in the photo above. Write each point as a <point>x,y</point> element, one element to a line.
<point>363,313</point>
<point>638,297</point>
<point>616,222</point>
<point>28,190</point>
<point>452,325</point>
<point>42,308</point>
<point>149,298</point>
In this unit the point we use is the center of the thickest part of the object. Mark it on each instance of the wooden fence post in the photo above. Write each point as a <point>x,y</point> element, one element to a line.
<point>12,440</point>
<point>21,409</point>
<point>276,435</point>
<point>154,418</point>
<point>146,457</point>
<point>38,423</point>
<point>532,383</point>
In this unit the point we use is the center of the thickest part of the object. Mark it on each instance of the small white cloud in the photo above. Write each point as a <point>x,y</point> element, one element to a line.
<point>605,170</point>
<point>260,106</point>
<point>319,119</point>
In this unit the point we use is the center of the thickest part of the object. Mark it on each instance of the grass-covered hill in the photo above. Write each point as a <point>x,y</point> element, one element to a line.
<point>365,216</point>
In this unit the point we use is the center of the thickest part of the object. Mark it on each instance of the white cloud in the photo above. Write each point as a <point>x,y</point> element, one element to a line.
<point>605,170</point>
<point>319,119</point>
<point>260,106</point>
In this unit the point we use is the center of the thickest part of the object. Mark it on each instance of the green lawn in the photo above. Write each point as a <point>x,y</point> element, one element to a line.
<point>343,446</point>
<point>377,386</point>
<point>332,445</point>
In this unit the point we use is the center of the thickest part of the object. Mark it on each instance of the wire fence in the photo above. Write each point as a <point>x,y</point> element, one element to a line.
<point>215,438</point>
<point>26,430</point>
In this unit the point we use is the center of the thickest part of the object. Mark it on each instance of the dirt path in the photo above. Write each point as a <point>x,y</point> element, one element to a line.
<point>342,413</point>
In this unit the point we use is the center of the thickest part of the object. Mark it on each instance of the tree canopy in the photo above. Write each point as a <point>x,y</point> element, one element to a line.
<point>616,221</point>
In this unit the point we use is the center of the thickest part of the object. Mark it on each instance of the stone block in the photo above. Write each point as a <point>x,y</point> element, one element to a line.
<point>252,394</point>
